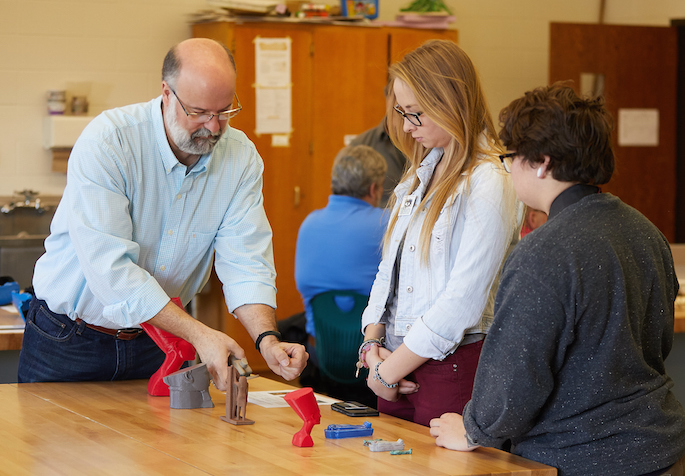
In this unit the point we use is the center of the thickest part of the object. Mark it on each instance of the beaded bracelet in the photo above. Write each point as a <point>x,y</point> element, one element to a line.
<point>377,376</point>
<point>366,345</point>
<point>363,349</point>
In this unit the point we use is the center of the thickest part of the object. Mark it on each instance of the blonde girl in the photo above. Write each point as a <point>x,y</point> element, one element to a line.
<point>454,219</point>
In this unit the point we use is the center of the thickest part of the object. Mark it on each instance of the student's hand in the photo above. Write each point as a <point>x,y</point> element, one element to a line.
<point>390,394</point>
<point>381,353</point>
<point>449,432</point>
<point>284,358</point>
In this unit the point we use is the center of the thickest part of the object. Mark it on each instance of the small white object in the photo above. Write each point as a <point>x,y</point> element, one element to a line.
<point>280,140</point>
<point>381,445</point>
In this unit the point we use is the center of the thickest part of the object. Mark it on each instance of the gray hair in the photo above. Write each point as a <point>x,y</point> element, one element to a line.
<point>355,169</point>
<point>172,64</point>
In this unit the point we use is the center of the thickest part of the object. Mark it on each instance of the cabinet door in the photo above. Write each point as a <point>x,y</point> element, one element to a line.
<point>350,71</point>
<point>286,169</point>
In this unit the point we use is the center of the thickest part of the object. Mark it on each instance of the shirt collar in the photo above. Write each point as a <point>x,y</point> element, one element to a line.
<point>570,196</point>
<point>428,164</point>
<point>334,200</point>
<point>424,173</point>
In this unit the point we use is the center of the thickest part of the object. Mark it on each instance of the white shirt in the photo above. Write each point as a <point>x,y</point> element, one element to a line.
<point>437,304</point>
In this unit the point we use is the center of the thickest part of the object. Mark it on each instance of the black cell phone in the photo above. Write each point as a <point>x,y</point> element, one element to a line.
<point>354,409</point>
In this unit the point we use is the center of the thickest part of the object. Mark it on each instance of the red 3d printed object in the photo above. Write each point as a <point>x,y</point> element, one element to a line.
<point>177,351</point>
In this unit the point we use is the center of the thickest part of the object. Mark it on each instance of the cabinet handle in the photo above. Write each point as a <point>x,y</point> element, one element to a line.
<point>297,196</point>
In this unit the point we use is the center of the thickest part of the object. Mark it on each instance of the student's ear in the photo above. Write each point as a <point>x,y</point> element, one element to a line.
<point>376,192</point>
<point>542,168</point>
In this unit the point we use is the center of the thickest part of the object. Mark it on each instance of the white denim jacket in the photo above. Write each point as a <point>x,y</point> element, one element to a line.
<point>438,304</point>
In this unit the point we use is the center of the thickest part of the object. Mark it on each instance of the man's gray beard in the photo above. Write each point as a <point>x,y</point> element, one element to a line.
<point>187,142</point>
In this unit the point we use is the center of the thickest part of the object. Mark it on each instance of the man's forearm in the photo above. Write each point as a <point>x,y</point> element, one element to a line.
<point>257,318</point>
<point>175,320</point>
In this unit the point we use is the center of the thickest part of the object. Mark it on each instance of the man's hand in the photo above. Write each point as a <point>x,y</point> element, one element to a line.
<point>214,347</point>
<point>284,358</point>
<point>449,432</point>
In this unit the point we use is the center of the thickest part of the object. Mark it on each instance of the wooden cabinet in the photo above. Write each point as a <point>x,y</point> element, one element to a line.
<point>338,76</point>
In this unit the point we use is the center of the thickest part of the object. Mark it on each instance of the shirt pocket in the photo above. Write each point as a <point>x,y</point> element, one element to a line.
<point>199,245</point>
<point>441,230</point>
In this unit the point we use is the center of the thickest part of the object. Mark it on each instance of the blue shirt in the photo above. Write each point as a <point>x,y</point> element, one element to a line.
<point>338,248</point>
<point>134,227</point>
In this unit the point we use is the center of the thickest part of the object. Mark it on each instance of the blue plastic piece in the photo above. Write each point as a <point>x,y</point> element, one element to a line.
<point>22,301</point>
<point>6,292</point>
<point>348,431</point>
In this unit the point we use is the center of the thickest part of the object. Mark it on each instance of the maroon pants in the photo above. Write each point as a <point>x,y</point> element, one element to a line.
<point>444,387</point>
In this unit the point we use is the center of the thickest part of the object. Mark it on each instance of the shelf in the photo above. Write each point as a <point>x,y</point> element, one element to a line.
<point>61,132</point>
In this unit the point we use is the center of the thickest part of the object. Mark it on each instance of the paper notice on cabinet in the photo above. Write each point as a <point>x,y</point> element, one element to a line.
<point>274,115</point>
<point>273,85</point>
<point>638,127</point>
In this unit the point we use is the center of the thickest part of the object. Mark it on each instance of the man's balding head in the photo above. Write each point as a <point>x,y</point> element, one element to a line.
<point>198,48</point>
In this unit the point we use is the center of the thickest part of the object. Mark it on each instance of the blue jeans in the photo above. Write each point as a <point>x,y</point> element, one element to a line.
<point>57,349</point>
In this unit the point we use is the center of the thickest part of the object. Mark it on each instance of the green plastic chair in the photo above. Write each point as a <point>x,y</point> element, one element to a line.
<point>338,334</point>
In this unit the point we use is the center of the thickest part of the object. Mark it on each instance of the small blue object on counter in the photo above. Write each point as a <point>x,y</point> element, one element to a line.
<point>6,292</point>
<point>22,301</point>
<point>348,431</point>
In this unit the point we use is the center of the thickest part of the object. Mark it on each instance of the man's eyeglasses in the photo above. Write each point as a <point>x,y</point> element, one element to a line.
<point>202,117</point>
<point>506,160</point>
<point>412,117</point>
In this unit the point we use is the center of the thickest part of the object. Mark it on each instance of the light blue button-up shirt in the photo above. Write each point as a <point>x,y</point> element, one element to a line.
<point>433,306</point>
<point>135,227</point>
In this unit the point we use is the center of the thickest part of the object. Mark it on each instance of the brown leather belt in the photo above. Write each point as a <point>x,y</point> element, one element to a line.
<point>121,334</point>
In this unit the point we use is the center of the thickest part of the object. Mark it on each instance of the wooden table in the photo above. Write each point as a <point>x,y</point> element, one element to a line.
<point>116,428</point>
<point>11,330</point>
<point>679,315</point>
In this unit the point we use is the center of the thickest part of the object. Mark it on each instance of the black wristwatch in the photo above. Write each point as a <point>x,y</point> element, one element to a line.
<point>263,335</point>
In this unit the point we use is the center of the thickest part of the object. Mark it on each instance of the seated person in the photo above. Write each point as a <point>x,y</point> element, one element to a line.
<point>572,373</point>
<point>378,138</point>
<point>339,246</point>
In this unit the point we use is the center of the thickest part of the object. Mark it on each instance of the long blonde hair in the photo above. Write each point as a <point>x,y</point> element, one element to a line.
<point>447,89</point>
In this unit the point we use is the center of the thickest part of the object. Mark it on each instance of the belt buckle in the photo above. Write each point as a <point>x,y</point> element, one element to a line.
<point>128,334</point>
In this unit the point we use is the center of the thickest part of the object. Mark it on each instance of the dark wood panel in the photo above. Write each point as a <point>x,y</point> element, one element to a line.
<point>639,65</point>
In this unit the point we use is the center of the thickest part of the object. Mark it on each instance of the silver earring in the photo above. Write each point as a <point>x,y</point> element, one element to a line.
<point>539,172</point>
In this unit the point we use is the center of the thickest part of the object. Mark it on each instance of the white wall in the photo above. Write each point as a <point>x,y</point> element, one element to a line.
<point>112,51</point>
<point>508,40</point>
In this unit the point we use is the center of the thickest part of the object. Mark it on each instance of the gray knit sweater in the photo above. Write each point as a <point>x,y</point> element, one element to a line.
<point>572,372</point>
